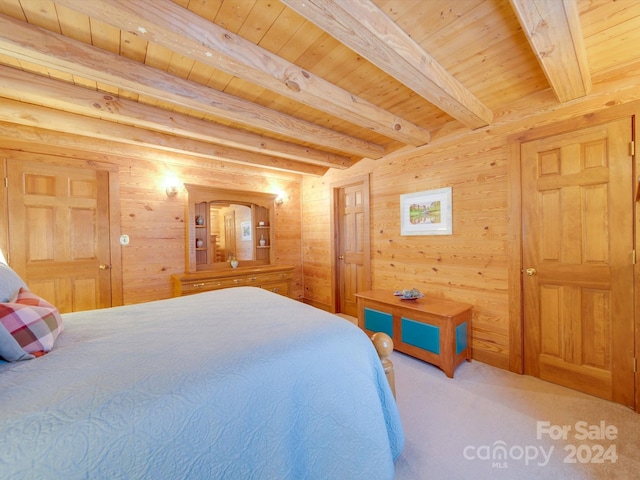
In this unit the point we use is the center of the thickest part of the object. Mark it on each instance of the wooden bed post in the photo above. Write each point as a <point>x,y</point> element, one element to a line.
<point>384,346</point>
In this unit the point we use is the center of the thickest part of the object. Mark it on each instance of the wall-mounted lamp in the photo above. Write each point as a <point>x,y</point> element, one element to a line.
<point>171,186</point>
<point>279,199</point>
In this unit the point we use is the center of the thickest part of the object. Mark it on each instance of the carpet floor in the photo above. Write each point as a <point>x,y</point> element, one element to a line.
<point>488,423</point>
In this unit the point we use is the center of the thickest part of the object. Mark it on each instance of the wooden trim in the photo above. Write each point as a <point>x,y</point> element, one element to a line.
<point>321,306</point>
<point>4,220</point>
<point>117,294</point>
<point>635,131</point>
<point>514,268</point>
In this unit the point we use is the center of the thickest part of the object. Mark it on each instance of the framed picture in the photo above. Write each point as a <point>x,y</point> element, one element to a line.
<point>426,213</point>
<point>245,228</point>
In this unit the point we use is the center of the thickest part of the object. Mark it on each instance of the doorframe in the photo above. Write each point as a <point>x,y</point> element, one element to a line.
<point>113,195</point>
<point>515,234</point>
<point>335,228</point>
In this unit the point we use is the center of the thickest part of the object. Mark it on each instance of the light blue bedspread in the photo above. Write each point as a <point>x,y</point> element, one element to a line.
<point>233,384</point>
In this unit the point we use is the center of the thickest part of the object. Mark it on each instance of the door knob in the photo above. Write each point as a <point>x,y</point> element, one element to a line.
<point>341,257</point>
<point>531,271</point>
<point>104,267</point>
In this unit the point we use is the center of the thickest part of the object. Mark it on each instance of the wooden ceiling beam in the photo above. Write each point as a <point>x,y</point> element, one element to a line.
<point>554,32</point>
<point>32,88</point>
<point>363,27</point>
<point>38,46</point>
<point>182,31</point>
<point>21,113</point>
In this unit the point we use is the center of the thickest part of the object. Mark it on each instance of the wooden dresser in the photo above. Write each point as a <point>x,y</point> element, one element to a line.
<point>276,278</point>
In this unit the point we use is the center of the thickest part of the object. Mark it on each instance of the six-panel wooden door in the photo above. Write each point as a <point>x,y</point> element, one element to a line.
<point>59,235</point>
<point>577,260</point>
<point>353,270</point>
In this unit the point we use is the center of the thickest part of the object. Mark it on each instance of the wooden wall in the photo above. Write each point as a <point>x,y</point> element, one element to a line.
<point>154,222</point>
<point>476,264</point>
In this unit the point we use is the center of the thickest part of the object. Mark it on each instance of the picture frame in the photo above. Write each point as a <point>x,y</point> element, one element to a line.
<point>245,229</point>
<point>426,213</point>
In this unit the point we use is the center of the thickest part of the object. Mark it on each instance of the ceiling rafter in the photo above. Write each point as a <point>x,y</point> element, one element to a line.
<point>21,113</point>
<point>555,35</point>
<point>32,88</point>
<point>55,51</point>
<point>363,27</point>
<point>182,31</point>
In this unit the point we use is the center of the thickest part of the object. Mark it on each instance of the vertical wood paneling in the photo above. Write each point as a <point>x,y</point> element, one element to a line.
<point>469,266</point>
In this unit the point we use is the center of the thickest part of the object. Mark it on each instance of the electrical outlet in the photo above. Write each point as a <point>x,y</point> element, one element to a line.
<point>124,239</point>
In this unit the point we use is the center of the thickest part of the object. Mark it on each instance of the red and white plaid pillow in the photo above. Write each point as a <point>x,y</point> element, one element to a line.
<point>28,327</point>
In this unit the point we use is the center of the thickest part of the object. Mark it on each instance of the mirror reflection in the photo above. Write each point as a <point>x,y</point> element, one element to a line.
<point>231,232</point>
<point>225,225</point>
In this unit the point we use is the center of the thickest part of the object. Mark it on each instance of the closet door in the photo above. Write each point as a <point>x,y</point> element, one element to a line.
<point>353,263</point>
<point>59,230</point>
<point>577,212</point>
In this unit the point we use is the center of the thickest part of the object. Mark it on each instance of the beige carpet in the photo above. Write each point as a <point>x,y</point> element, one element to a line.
<point>353,320</point>
<point>488,423</point>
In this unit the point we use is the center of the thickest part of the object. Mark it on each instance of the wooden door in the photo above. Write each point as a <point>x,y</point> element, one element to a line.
<point>577,199</point>
<point>353,245</point>
<point>59,235</point>
<point>230,233</point>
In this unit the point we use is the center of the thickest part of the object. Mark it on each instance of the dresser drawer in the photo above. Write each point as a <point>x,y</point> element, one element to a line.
<point>275,279</point>
<point>281,287</point>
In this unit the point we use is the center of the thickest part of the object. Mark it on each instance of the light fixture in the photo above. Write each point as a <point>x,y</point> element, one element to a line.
<point>279,199</point>
<point>171,186</point>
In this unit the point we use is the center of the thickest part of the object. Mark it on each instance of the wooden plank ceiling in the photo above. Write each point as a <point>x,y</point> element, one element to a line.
<point>297,85</point>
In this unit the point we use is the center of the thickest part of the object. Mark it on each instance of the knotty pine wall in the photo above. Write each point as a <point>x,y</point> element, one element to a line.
<point>469,266</point>
<point>154,222</point>
<point>472,265</point>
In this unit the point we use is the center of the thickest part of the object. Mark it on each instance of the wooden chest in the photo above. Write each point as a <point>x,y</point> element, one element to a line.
<point>432,329</point>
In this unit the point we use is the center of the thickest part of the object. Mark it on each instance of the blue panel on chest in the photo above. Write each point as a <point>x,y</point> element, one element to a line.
<point>376,321</point>
<point>461,338</point>
<point>421,335</point>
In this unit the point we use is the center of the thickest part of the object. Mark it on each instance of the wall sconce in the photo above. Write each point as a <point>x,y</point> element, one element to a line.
<point>279,199</point>
<point>171,186</point>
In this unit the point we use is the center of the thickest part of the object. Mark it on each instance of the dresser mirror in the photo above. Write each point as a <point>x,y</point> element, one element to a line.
<point>228,227</point>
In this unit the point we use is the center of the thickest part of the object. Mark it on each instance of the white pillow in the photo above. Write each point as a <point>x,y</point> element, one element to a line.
<point>10,284</point>
<point>2,259</point>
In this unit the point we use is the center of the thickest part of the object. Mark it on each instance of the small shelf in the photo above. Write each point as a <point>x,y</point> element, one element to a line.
<point>263,246</point>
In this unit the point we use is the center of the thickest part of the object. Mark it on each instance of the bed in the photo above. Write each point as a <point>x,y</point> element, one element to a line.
<point>237,383</point>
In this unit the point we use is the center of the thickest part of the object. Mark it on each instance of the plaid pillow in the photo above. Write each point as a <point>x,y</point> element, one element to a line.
<point>28,327</point>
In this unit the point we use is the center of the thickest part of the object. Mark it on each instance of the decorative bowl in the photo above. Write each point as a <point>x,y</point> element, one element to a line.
<point>412,294</point>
